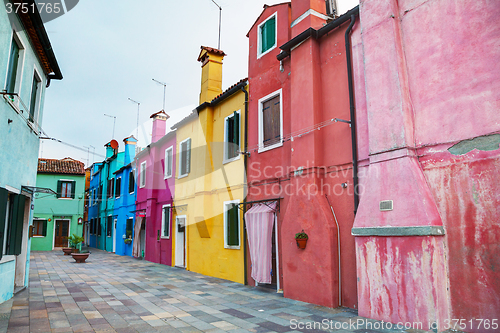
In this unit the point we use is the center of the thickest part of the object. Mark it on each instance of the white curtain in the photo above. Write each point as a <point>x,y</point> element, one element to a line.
<point>136,245</point>
<point>259,223</point>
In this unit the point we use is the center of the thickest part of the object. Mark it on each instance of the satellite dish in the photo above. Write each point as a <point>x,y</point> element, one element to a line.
<point>113,144</point>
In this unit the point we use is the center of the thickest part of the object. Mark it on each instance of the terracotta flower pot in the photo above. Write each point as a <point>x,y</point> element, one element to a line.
<point>80,257</point>
<point>67,251</point>
<point>301,243</point>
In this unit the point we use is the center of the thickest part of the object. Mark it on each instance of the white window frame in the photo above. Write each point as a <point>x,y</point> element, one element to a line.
<point>67,181</point>
<point>5,257</point>
<point>259,37</point>
<point>163,222</point>
<point>33,224</point>
<point>142,176</point>
<point>226,143</point>
<point>166,176</point>
<point>20,65</point>
<point>38,96</point>
<point>107,220</point>
<point>180,158</point>
<point>261,121</point>
<point>225,208</point>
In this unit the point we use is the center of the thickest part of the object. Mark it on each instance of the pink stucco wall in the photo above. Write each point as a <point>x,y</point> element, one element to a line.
<point>427,78</point>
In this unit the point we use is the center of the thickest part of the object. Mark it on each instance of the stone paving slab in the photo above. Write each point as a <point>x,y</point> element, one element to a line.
<point>111,293</point>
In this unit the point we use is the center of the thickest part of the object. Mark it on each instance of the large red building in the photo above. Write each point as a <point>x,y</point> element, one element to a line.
<point>421,80</point>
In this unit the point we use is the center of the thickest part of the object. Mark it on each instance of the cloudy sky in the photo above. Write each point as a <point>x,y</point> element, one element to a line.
<point>110,51</point>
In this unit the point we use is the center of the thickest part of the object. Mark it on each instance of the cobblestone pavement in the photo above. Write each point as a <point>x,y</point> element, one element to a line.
<point>111,293</point>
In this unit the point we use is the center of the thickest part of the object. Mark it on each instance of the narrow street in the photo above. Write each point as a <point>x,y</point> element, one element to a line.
<point>111,293</point>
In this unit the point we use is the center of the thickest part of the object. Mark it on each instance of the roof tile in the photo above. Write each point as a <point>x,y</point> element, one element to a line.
<point>66,166</point>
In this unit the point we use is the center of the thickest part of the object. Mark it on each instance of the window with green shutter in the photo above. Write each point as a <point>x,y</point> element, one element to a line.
<point>267,35</point>
<point>185,158</point>
<point>16,223</point>
<point>232,225</point>
<point>13,66</point>
<point>40,228</point>
<point>4,196</point>
<point>66,189</point>
<point>232,136</point>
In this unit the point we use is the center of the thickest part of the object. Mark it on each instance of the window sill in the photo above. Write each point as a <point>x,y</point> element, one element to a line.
<point>260,55</point>
<point>167,177</point>
<point>183,176</point>
<point>231,159</point>
<point>7,258</point>
<point>261,150</point>
<point>65,198</point>
<point>165,237</point>
<point>232,247</point>
<point>38,236</point>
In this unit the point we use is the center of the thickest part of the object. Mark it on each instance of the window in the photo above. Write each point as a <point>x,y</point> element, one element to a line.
<point>91,227</point>
<point>12,73</point>
<point>270,122</point>
<point>95,198</point>
<point>232,137</point>
<point>99,231</point>
<point>118,187</point>
<point>267,36</point>
<point>169,159</point>
<point>142,180</point>
<point>99,193</point>
<point>165,221</point>
<point>111,187</point>
<point>12,207</point>
<point>185,158</point>
<point>66,189</point>
<point>231,225</point>
<point>109,226</point>
<point>129,228</point>
<point>131,182</point>
<point>35,97</point>
<point>40,228</point>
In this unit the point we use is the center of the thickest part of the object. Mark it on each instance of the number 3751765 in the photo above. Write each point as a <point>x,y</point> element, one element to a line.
<point>462,324</point>
<point>25,8</point>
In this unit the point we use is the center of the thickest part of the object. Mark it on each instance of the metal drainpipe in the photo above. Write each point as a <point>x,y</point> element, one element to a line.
<point>245,158</point>
<point>352,112</point>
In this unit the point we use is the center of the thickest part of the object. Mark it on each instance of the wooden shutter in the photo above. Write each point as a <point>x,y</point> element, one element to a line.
<point>271,121</point>
<point>4,195</point>
<point>44,228</point>
<point>59,188</point>
<point>188,155</point>
<point>12,73</point>
<point>17,222</point>
<point>131,182</point>
<point>232,226</point>
<point>270,33</point>
<point>166,218</point>
<point>73,188</point>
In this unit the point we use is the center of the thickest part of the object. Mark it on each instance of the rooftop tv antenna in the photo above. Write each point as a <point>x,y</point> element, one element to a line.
<point>138,105</point>
<point>220,17</point>
<point>164,91</point>
<point>114,122</point>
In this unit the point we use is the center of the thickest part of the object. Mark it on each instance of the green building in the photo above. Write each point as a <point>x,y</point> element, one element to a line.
<point>57,216</point>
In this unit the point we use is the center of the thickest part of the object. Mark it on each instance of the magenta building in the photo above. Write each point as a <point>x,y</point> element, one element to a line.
<point>155,178</point>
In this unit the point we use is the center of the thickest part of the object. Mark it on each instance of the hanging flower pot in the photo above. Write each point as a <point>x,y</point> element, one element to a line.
<point>301,239</point>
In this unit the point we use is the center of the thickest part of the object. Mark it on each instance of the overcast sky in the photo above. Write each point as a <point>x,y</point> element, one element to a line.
<point>109,51</point>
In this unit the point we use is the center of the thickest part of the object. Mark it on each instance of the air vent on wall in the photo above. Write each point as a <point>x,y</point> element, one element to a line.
<point>386,205</point>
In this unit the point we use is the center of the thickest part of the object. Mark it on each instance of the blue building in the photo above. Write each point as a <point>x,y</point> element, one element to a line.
<point>94,203</point>
<point>124,205</point>
<point>27,66</point>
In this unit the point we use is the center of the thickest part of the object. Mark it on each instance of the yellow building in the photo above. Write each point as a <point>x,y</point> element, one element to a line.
<point>210,177</point>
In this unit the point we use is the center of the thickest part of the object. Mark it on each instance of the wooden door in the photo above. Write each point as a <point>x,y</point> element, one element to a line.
<point>61,233</point>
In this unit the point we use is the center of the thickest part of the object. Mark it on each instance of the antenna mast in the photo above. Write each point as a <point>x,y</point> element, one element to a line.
<point>220,17</point>
<point>164,91</point>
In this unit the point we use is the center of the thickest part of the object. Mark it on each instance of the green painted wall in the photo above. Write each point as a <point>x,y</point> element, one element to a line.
<point>50,207</point>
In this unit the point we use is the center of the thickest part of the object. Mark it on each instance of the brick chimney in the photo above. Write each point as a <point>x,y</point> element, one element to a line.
<point>130,144</point>
<point>159,125</point>
<point>211,73</point>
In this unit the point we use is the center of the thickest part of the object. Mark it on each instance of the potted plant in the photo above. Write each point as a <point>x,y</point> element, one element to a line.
<point>81,256</point>
<point>301,239</point>
<point>127,240</point>
<point>74,241</point>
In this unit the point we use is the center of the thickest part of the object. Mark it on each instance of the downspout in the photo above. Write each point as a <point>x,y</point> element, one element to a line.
<point>352,113</point>
<point>338,250</point>
<point>245,189</point>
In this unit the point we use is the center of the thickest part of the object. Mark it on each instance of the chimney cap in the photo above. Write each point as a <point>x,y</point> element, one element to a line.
<point>130,138</point>
<point>201,57</point>
<point>160,113</point>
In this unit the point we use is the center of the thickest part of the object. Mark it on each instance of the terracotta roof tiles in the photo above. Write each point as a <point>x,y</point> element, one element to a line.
<point>66,166</point>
